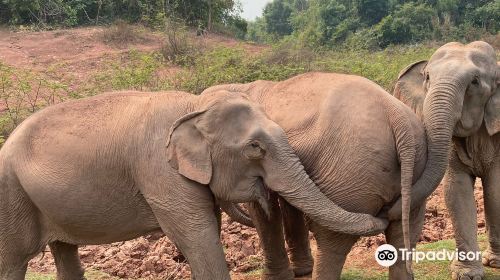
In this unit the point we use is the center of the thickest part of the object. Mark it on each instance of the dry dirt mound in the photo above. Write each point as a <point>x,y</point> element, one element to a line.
<point>78,50</point>
<point>155,256</point>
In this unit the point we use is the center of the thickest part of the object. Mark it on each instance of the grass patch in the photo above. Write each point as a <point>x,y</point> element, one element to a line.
<point>89,274</point>
<point>133,71</point>
<point>440,270</point>
<point>357,274</point>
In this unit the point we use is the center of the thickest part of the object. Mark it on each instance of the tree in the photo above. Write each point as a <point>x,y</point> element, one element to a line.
<point>277,18</point>
<point>372,11</point>
<point>488,16</point>
<point>411,22</point>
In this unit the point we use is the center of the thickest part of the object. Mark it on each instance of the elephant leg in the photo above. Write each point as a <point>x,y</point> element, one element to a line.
<point>20,233</point>
<point>459,198</point>
<point>67,261</point>
<point>394,236</point>
<point>491,188</point>
<point>332,250</point>
<point>297,239</point>
<point>276,264</point>
<point>187,218</point>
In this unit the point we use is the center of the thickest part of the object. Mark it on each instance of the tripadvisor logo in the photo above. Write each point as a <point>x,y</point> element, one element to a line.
<point>386,255</point>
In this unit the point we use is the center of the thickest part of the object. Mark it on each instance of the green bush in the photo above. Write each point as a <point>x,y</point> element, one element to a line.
<point>179,47</point>
<point>381,67</point>
<point>226,65</point>
<point>135,71</point>
<point>410,23</point>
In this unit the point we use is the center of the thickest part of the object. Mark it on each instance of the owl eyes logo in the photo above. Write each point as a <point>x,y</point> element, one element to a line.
<point>386,255</point>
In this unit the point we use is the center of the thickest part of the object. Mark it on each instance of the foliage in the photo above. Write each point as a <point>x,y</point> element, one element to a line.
<point>277,17</point>
<point>178,47</point>
<point>226,65</point>
<point>411,22</point>
<point>321,24</point>
<point>22,93</point>
<point>372,11</point>
<point>121,33</point>
<point>48,13</point>
<point>135,71</point>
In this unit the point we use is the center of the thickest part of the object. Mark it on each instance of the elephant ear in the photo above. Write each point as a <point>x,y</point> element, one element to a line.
<point>188,150</point>
<point>492,111</point>
<point>409,87</point>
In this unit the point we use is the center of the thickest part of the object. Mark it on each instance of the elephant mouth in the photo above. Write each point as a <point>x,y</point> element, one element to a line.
<point>263,196</point>
<point>461,130</point>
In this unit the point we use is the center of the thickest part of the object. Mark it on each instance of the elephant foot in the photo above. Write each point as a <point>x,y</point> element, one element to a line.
<point>466,271</point>
<point>302,268</point>
<point>490,259</point>
<point>282,275</point>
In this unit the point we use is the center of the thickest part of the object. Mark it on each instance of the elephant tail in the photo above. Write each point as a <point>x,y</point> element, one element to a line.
<point>405,145</point>
<point>236,213</point>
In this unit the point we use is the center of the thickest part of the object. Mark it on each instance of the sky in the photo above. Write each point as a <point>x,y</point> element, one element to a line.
<point>253,8</point>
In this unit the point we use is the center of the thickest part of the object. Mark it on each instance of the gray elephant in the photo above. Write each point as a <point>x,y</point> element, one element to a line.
<point>116,166</point>
<point>457,95</point>
<point>360,145</point>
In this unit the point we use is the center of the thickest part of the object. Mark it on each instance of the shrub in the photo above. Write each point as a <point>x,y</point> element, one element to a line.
<point>22,93</point>
<point>179,47</point>
<point>363,39</point>
<point>228,65</point>
<point>410,23</point>
<point>121,33</point>
<point>135,71</point>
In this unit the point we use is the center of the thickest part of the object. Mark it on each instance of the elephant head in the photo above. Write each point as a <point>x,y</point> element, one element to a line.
<point>229,144</point>
<point>453,93</point>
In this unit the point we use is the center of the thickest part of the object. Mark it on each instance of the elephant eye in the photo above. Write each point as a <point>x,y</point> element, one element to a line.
<point>427,77</point>
<point>475,81</point>
<point>254,150</point>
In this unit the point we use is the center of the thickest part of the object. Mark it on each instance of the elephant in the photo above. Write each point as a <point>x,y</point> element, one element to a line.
<point>456,94</point>
<point>362,147</point>
<point>118,165</point>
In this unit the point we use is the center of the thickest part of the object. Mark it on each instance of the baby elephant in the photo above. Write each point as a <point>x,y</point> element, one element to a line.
<point>119,165</point>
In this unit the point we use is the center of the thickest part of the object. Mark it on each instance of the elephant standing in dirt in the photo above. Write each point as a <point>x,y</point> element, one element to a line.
<point>457,95</point>
<point>360,145</point>
<point>116,166</point>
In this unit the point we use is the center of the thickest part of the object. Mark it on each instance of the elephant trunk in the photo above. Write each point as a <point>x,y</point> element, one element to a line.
<point>405,145</point>
<point>235,212</point>
<point>442,109</point>
<point>293,184</point>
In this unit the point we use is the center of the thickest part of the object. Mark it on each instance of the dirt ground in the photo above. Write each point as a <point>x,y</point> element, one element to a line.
<point>80,51</point>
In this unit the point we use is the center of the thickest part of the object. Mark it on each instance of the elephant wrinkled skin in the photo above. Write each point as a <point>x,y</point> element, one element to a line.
<point>116,166</point>
<point>360,145</point>
<point>457,95</point>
